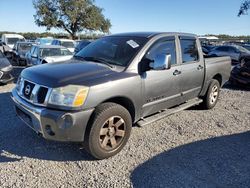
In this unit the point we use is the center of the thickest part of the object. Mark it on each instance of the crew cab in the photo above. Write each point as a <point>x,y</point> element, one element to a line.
<point>115,82</point>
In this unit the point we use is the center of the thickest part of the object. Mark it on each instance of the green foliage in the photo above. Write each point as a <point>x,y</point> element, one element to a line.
<point>225,37</point>
<point>70,15</point>
<point>244,8</point>
<point>33,35</point>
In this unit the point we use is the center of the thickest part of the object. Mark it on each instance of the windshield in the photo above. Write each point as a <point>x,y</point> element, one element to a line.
<point>115,50</point>
<point>24,47</point>
<point>83,44</point>
<point>49,52</point>
<point>1,54</point>
<point>13,40</point>
<point>68,44</point>
<point>44,41</point>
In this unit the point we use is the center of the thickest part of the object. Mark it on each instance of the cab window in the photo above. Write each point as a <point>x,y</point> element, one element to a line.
<point>189,50</point>
<point>166,47</point>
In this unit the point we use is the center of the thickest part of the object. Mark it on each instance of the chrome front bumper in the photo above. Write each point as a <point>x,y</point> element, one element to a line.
<point>52,124</point>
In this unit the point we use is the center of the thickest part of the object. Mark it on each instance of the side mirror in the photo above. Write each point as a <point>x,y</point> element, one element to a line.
<point>161,62</point>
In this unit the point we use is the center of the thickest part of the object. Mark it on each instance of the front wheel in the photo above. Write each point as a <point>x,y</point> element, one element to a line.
<point>108,131</point>
<point>212,95</point>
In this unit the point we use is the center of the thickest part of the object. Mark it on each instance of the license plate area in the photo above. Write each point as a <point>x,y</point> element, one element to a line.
<point>24,117</point>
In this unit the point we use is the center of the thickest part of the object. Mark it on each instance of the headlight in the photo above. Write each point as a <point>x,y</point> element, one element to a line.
<point>19,83</point>
<point>70,96</point>
<point>8,68</point>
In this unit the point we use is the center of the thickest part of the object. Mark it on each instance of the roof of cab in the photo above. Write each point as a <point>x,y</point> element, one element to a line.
<point>152,34</point>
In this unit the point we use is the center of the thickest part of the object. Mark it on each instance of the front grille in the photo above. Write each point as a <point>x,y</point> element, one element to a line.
<point>32,92</point>
<point>41,95</point>
<point>27,89</point>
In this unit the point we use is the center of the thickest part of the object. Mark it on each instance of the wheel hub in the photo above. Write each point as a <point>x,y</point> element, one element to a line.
<point>214,94</point>
<point>112,133</point>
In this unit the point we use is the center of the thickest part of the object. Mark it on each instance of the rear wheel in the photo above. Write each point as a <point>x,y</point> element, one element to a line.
<point>212,95</point>
<point>108,131</point>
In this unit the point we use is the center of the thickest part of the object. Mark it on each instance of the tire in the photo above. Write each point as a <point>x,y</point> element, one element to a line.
<point>108,130</point>
<point>212,95</point>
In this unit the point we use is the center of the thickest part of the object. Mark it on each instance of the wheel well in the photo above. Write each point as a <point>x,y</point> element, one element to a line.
<point>126,103</point>
<point>44,62</point>
<point>218,77</point>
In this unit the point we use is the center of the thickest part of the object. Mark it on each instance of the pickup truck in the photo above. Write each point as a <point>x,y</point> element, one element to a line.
<point>116,82</point>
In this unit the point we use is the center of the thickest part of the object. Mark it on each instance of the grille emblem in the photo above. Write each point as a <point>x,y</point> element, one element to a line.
<point>27,90</point>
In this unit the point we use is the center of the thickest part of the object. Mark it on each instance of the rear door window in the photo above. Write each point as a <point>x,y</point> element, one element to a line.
<point>189,50</point>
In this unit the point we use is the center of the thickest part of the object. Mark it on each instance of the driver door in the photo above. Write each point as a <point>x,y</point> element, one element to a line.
<point>161,87</point>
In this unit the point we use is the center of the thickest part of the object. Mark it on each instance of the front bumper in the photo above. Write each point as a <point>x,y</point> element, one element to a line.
<point>52,124</point>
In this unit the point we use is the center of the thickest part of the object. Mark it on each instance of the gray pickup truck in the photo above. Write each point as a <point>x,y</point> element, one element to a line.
<point>116,82</point>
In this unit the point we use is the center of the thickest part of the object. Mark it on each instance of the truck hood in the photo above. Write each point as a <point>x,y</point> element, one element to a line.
<point>66,73</point>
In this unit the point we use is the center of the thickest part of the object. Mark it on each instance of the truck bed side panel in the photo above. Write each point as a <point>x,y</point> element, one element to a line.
<point>216,66</point>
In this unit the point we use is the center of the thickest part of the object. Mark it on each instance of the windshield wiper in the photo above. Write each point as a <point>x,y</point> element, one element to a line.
<point>99,60</point>
<point>79,57</point>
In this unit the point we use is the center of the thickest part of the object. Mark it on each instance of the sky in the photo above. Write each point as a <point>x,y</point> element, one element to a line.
<point>192,16</point>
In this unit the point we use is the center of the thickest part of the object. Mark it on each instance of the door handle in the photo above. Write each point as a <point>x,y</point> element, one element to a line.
<point>176,72</point>
<point>199,67</point>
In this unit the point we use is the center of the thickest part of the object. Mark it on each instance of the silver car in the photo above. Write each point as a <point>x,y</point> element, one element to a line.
<point>40,54</point>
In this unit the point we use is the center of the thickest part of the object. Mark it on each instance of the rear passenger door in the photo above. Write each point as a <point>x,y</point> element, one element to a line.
<point>192,68</point>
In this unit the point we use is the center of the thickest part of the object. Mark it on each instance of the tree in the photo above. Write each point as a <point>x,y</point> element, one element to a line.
<point>244,8</point>
<point>70,15</point>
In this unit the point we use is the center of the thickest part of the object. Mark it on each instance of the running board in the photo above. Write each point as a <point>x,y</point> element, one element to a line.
<point>167,112</point>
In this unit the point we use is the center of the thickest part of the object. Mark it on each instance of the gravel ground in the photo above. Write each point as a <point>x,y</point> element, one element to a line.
<point>193,148</point>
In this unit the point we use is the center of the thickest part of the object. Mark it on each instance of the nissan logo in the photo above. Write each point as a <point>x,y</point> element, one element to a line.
<point>27,90</point>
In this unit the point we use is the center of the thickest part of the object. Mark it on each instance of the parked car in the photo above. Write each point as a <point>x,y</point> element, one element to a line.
<point>67,43</point>
<point>114,82</point>
<point>41,54</point>
<point>9,40</point>
<point>44,41</point>
<point>240,74</point>
<point>234,51</point>
<point>208,47</point>
<point>247,46</point>
<point>19,51</point>
<point>81,44</point>
<point>1,47</point>
<point>5,70</point>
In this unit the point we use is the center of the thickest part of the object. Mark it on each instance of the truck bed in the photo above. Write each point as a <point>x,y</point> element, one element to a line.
<point>220,66</point>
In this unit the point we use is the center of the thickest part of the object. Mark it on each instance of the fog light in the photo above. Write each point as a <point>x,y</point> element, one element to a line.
<point>49,130</point>
<point>67,121</point>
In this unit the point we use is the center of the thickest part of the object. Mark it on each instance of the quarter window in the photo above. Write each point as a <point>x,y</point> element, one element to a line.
<point>189,50</point>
